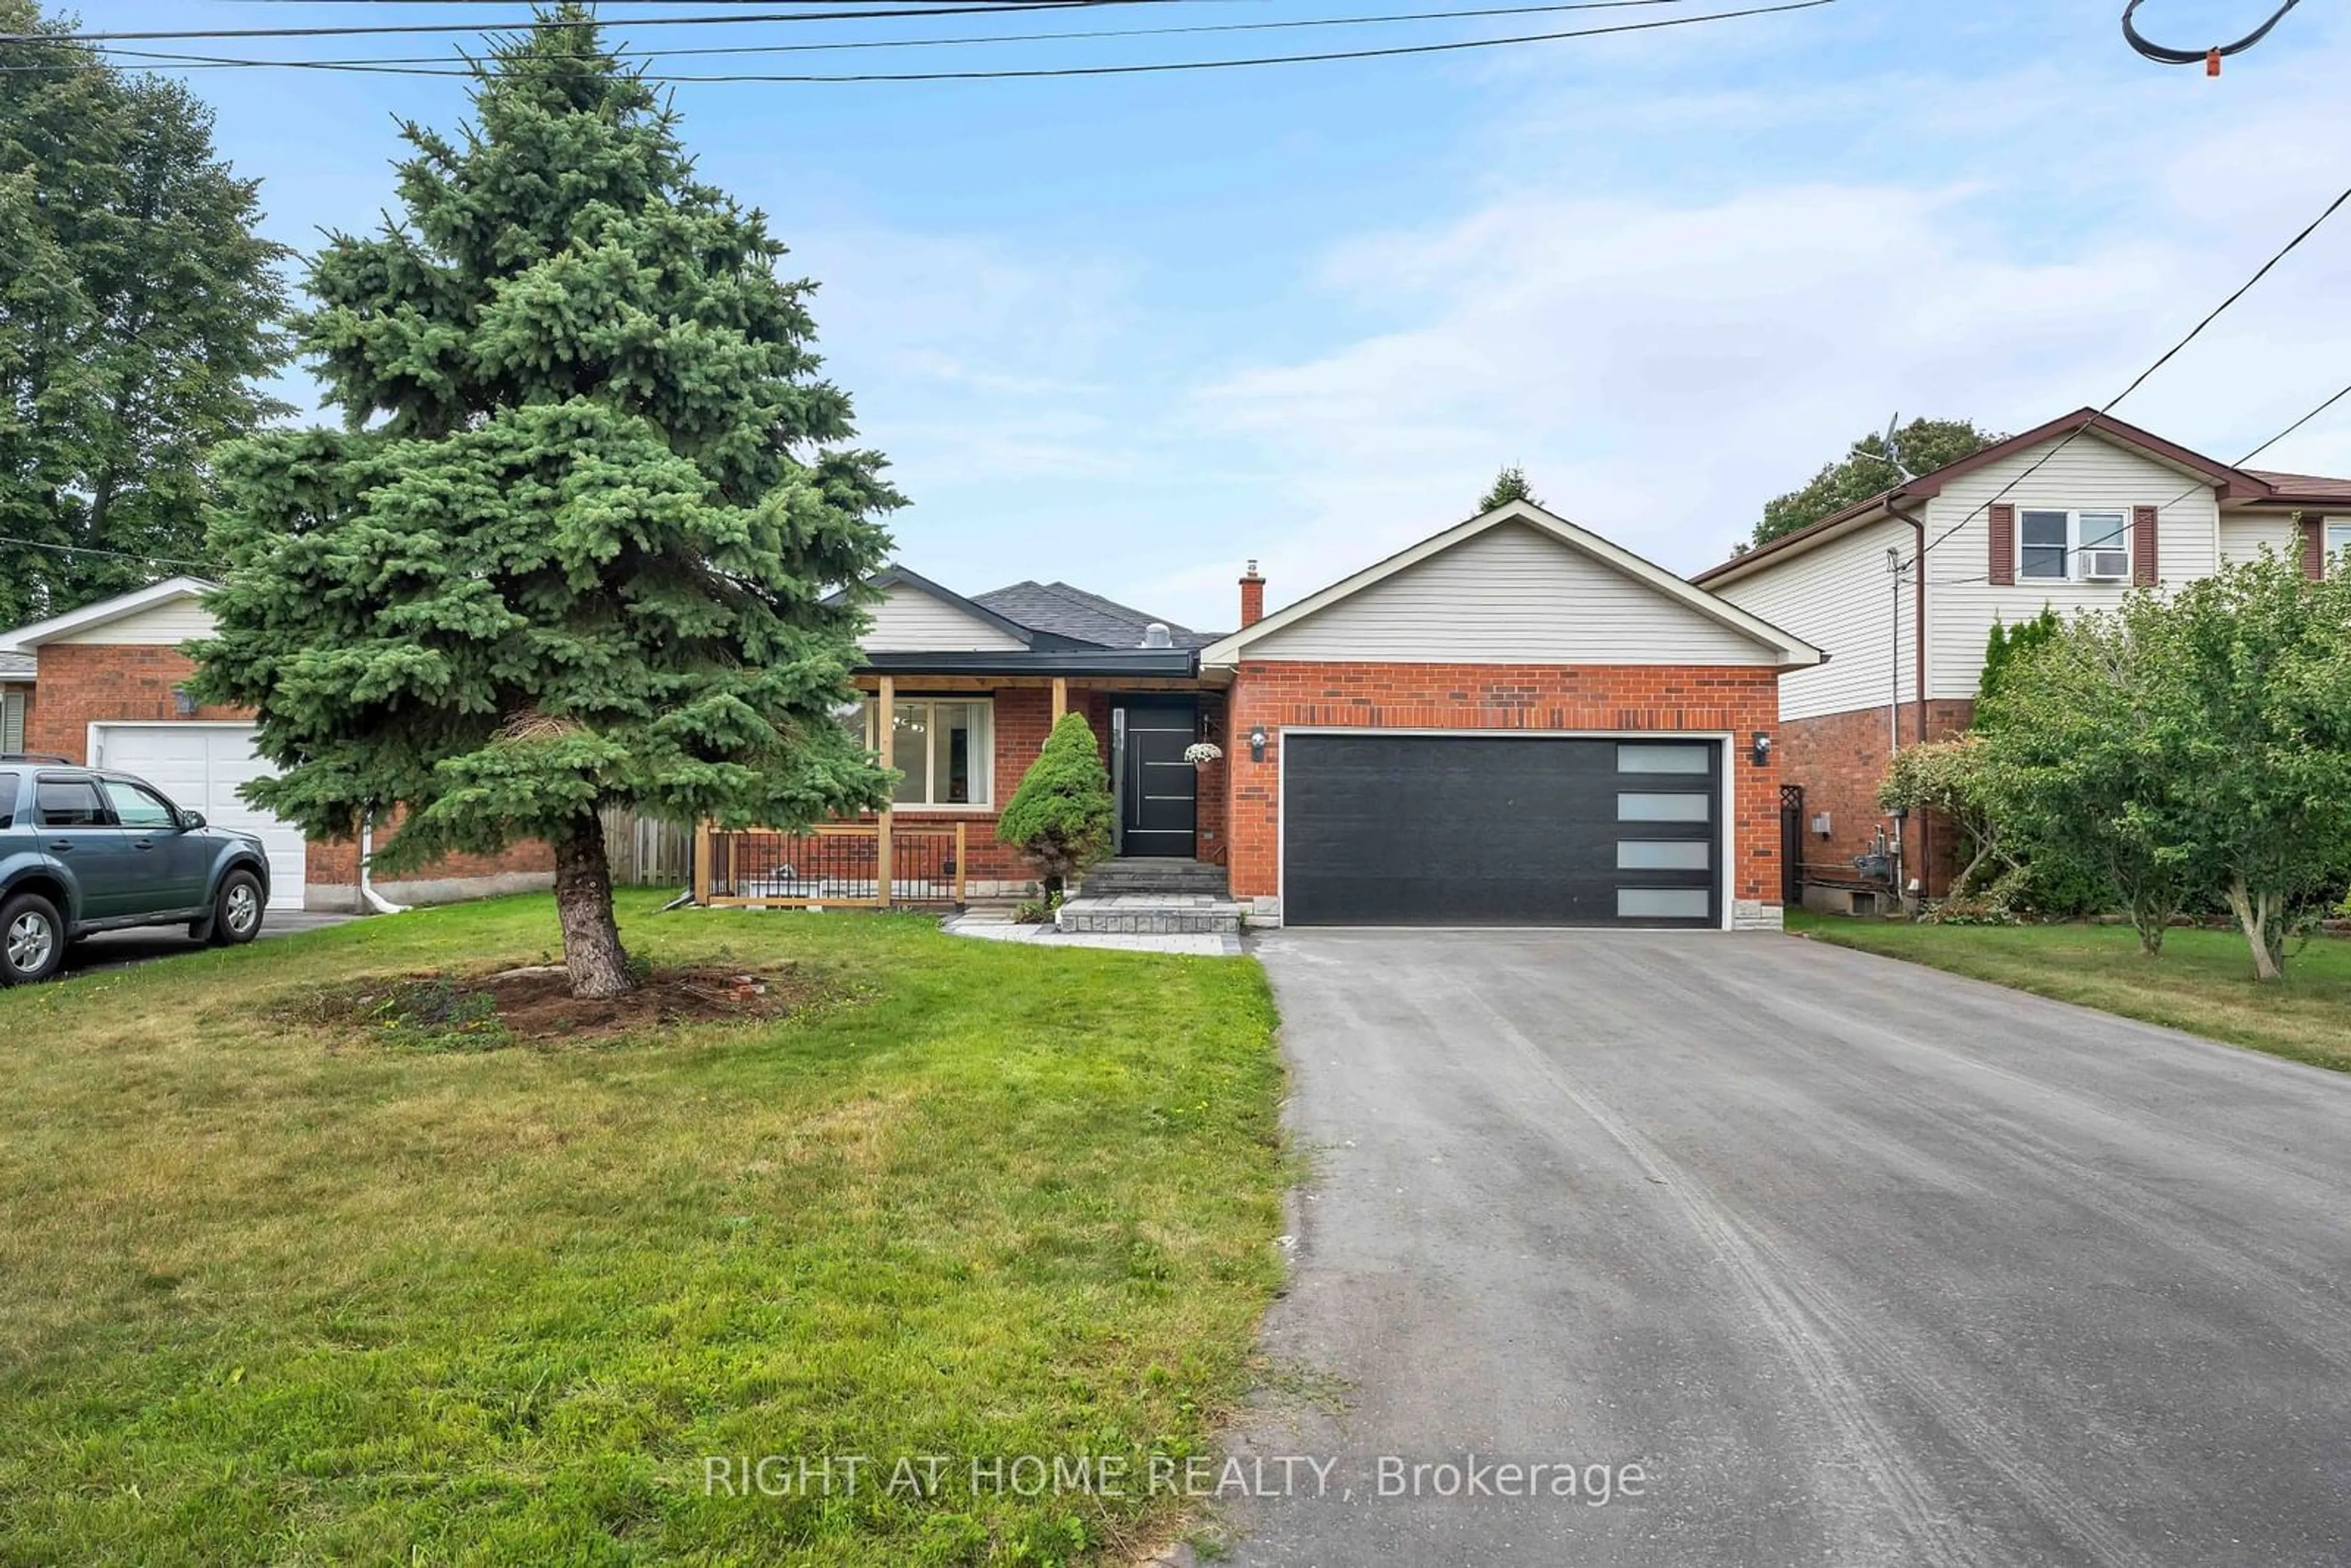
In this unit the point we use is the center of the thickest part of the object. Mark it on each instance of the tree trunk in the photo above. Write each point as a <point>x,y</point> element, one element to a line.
<point>583,903</point>
<point>2253,914</point>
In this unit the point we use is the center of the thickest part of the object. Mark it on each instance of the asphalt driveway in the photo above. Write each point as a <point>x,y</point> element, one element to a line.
<point>144,944</point>
<point>1832,1259</point>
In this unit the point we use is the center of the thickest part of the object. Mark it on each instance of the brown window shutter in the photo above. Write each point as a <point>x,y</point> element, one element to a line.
<point>2143,546</point>
<point>2003,545</point>
<point>2314,547</point>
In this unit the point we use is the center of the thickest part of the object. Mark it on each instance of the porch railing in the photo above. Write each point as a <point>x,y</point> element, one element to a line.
<point>869,865</point>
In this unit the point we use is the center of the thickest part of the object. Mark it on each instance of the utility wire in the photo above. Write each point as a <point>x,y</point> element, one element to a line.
<point>214,61</point>
<point>1392,52</point>
<point>2140,380</point>
<point>557,24</point>
<point>2165,54</point>
<point>115,554</point>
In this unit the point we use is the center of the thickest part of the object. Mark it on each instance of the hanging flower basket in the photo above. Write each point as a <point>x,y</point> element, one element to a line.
<point>1200,753</point>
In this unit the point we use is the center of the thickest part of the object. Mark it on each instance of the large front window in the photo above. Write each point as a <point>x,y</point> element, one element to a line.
<point>2073,546</point>
<point>943,747</point>
<point>2338,539</point>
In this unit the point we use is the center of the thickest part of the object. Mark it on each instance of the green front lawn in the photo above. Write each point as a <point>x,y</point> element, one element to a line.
<point>269,1297</point>
<point>2202,983</point>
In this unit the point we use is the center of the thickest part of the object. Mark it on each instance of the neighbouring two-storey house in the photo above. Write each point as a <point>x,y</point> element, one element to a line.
<point>2073,515</point>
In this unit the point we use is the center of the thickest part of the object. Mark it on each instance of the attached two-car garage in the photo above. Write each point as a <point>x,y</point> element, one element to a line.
<point>1508,830</point>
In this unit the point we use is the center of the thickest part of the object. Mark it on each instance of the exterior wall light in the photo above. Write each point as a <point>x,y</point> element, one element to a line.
<point>1762,750</point>
<point>1257,743</point>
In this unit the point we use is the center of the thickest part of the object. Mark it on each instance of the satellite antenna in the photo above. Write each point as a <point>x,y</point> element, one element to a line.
<point>1891,455</point>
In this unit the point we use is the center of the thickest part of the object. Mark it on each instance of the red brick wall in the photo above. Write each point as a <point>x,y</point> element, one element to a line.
<point>1502,696</point>
<point>81,684</point>
<point>1840,759</point>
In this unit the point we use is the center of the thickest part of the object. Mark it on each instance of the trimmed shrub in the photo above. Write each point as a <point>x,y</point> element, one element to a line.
<point>1060,818</point>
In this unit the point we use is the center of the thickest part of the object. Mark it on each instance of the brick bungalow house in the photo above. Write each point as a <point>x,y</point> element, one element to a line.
<point>1514,721</point>
<point>2072,515</point>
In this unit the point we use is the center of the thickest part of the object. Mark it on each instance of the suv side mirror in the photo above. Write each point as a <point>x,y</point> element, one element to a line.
<point>191,820</point>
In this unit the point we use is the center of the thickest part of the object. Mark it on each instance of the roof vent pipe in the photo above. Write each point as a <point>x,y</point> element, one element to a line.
<point>1157,635</point>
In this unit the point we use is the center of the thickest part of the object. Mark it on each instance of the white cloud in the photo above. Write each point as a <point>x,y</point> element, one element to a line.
<point>1664,362</point>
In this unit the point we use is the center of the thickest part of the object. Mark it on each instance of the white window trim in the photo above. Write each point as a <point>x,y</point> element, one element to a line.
<point>983,767</point>
<point>2337,539</point>
<point>2074,550</point>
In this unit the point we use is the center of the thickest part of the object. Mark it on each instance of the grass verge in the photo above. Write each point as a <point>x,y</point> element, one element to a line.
<point>268,1296</point>
<point>2202,983</point>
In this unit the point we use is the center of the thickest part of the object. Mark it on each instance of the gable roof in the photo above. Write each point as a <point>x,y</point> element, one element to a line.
<point>2244,485</point>
<point>1067,612</point>
<point>104,612</point>
<point>1793,650</point>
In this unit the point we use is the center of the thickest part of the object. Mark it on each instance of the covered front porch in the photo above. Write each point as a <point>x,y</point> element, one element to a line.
<point>963,738</point>
<point>962,730</point>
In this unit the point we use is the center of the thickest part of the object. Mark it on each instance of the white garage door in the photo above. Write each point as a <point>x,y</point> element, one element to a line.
<point>200,767</point>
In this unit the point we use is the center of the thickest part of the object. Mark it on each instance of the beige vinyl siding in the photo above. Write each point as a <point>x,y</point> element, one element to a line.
<point>2091,473</point>
<point>1511,595</point>
<point>163,625</point>
<point>909,621</point>
<point>2243,535</point>
<point>1839,598</point>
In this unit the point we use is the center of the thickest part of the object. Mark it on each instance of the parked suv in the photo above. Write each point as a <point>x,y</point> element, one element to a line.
<point>85,849</point>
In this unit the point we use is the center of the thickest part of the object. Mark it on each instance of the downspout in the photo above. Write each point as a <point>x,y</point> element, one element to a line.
<point>368,895</point>
<point>1918,636</point>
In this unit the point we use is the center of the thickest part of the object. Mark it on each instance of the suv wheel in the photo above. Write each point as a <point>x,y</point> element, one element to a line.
<point>32,939</point>
<point>237,909</point>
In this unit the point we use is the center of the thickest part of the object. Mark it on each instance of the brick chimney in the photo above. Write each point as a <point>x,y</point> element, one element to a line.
<point>1252,596</point>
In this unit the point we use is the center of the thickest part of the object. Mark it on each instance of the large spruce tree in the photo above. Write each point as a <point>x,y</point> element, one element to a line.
<point>580,541</point>
<point>138,314</point>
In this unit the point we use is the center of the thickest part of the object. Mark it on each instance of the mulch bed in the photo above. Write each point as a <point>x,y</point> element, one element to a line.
<point>534,1004</point>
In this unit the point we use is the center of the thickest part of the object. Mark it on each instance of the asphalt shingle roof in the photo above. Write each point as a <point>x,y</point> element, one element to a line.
<point>1067,611</point>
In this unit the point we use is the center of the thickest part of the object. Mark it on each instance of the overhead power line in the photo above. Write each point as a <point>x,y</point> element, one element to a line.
<point>557,24</point>
<point>7,539</point>
<point>2140,380</point>
<point>210,62</point>
<point>1033,73</point>
<point>2210,58</point>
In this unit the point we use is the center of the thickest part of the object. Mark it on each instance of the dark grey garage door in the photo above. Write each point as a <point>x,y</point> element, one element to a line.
<point>1413,830</point>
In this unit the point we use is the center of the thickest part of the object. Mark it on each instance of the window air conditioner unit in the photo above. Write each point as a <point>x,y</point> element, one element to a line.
<point>2106,565</point>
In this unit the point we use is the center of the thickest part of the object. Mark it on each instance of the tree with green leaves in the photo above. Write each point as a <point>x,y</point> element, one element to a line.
<point>1509,484</point>
<point>1920,446</point>
<point>2009,647</point>
<point>138,313</point>
<point>2088,787</point>
<point>1059,817</point>
<point>582,538</point>
<point>2253,694</point>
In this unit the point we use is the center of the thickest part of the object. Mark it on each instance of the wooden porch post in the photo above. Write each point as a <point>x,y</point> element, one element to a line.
<point>702,837</point>
<point>1061,697</point>
<point>961,856</point>
<point>882,721</point>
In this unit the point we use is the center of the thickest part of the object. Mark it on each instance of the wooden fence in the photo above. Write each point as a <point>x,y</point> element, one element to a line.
<point>645,852</point>
<point>857,865</point>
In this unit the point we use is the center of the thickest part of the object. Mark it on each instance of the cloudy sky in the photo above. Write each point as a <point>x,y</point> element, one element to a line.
<point>1130,330</point>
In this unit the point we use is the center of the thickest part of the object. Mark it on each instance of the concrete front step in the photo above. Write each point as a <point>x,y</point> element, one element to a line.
<point>1116,877</point>
<point>1156,914</point>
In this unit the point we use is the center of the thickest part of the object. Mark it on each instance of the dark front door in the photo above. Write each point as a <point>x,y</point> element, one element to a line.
<point>1405,829</point>
<point>1159,791</point>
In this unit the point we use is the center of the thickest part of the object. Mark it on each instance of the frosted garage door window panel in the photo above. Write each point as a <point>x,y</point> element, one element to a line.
<point>1663,903</point>
<point>1664,855</point>
<point>1660,808</point>
<point>1640,759</point>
